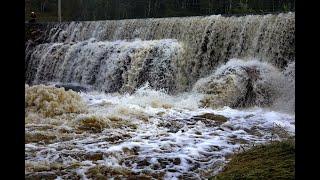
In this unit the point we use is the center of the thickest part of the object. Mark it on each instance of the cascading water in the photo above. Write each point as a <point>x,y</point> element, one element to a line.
<point>154,90</point>
<point>241,83</point>
<point>199,44</point>
<point>107,66</point>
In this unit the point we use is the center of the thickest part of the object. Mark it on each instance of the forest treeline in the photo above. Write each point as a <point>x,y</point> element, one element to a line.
<point>81,10</point>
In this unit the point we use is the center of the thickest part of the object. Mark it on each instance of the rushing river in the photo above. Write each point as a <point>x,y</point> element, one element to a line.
<point>169,98</point>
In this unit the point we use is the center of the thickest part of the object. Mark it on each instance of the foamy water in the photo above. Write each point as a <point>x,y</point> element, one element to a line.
<point>175,97</point>
<point>150,134</point>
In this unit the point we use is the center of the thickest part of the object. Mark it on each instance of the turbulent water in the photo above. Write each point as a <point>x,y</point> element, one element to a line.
<point>170,52</point>
<point>160,98</point>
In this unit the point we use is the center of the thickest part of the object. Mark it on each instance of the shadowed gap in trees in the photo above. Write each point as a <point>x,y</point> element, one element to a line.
<point>81,10</point>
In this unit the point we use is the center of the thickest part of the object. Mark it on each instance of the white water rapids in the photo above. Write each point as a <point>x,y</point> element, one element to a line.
<point>161,137</point>
<point>169,98</point>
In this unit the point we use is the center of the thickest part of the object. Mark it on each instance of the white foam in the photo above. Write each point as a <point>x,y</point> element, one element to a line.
<point>194,145</point>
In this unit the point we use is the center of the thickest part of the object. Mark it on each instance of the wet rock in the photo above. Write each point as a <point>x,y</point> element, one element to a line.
<point>176,161</point>
<point>210,119</point>
<point>94,156</point>
<point>55,167</point>
<point>41,176</point>
<point>230,127</point>
<point>91,123</point>
<point>71,176</point>
<point>65,131</point>
<point>156,166</point>
<point>143,163</point>
<point>172,125</point>
<point>211,116</point>
<point>76,88</point>
<point>172,170</point>
<point>36,137</point>
<point>39,127</point>
<point>105,172</point>
<point>220,129</point>
<point>132,151</point>
<point>101,172</point>
<point>249,116</point>
<point>214,148</point>
<point>81,156</point>
<point>195,165</point>
<point>163,162</point>
<point>253,131</point>
<point>114,139</point>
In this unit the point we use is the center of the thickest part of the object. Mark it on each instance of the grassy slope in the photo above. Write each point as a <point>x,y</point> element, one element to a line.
<point>272,161</point>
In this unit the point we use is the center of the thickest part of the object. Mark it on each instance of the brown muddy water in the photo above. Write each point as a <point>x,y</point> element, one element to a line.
<point>146,135</point>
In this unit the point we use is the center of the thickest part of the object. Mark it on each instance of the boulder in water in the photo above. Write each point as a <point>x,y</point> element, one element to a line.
<point>211,116</point>
<point>76,88</point>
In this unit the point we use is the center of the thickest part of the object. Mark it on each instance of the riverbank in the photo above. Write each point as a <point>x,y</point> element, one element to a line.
<point>275,160</point>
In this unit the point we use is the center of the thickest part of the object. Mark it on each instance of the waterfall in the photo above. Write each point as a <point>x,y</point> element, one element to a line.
<point>165,98</point>
<point>107,66</point>
<point>168,53</point>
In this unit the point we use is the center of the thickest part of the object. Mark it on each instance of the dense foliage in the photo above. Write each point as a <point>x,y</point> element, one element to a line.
<point>46,10</point>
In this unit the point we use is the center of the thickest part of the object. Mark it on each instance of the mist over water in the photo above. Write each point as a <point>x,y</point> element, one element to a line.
<point>245,83</point>
<point>164,98</point>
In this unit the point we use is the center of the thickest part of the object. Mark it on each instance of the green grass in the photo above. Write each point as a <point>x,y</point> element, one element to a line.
<point>275,160</point>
